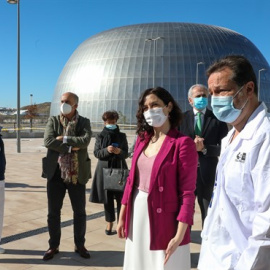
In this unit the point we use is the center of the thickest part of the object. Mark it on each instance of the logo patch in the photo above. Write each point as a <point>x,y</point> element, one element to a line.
<point>241,157</point>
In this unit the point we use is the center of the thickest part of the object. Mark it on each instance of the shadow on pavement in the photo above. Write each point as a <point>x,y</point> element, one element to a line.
<point>113,258</point>
<point>20,185</point>
<point>194,259</point>
<point>196,237</point>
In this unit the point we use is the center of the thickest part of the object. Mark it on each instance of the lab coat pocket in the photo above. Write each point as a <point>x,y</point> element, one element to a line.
<point>234,181</point>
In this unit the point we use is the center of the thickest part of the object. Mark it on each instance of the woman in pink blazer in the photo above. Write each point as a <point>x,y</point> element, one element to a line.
<point>158,202</point>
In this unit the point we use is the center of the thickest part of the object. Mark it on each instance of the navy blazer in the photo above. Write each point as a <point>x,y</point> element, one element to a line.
<point>213,131</point>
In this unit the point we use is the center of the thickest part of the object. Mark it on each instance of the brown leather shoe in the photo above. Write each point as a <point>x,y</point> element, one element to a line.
<point>83,252</point>
<point>50,253</point>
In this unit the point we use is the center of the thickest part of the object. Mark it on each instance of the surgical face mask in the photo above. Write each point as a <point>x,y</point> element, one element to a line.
<point>200,103</point>
<point>223,107</point>
<point>65,108</point>
<point>110,126</point>
<point>155,117</point>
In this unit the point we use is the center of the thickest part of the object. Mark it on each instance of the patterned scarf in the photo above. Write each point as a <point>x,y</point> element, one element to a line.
<point>68,162</point>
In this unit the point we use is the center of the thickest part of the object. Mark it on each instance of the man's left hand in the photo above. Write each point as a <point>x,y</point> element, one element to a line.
<point>199,143</point>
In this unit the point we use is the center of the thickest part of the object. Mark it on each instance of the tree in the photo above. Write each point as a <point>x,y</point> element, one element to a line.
<point>31,114</point>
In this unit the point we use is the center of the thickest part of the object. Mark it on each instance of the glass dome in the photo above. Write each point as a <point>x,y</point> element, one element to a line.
<point>111,69</point>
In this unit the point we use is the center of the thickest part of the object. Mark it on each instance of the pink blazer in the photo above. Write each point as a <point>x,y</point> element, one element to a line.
<point>171,193</point>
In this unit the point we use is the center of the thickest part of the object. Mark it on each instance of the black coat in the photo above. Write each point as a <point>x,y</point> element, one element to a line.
<point>2,159</point>
<point>213,131</point>
<point>105,159</point>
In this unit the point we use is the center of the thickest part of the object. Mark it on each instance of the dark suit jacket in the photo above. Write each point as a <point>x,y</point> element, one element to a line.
<point>213,131</point>
<point>2,159</point>
<point>55,147</point>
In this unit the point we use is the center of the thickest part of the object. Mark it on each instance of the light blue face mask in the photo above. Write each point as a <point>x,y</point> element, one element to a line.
<point>109,126</point>
<point>200,103</point>
<point>223,108</point>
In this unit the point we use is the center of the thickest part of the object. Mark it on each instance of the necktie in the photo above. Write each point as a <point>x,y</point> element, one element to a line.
<point>198,126</point>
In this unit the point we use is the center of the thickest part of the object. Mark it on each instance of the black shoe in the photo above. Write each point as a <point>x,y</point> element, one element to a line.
<point>108,232</point>
<point>50,253</point>
<point>83,252</point>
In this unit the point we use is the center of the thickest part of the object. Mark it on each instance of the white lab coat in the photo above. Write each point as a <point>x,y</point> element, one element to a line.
<point>236,233</point>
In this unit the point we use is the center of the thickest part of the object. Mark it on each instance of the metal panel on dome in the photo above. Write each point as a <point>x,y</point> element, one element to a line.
<point>111,69</point>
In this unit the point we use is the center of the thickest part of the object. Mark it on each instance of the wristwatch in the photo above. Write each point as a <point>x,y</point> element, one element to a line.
<point>204,151</point>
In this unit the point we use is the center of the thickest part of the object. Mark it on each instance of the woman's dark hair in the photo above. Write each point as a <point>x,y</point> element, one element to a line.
<point>110,115</point>
<point>175,116</point>
<point>242,70</point>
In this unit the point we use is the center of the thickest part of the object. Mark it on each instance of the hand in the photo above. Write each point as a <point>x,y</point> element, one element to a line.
<point>121,229</point>
<point>121,223</point>
<point>75,149</point>
<point>110,149</point>
<point>116,150</point>
<point>199,143</point>
<point>172,246</point>
<point>59,138</point>
<point>113,150</point>
<point>175,242</point>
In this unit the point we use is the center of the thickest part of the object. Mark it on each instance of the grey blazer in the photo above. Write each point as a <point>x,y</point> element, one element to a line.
<point>81,140</point>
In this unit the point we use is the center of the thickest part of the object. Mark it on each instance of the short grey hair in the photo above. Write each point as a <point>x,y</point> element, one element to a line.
<point>74,96</point>
<point>190,91</point>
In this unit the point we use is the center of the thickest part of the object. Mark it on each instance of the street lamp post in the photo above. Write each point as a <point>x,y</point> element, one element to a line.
<point>259,82</point>
<point>154,57</point>
<point>18,76</point>
<point>197,71</point>
<point>30,112</point>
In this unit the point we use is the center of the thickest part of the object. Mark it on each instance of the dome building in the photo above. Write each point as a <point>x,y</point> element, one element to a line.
<point>110,70</point>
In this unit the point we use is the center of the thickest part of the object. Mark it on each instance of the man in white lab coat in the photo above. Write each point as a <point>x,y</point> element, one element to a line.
<point>236,233</point>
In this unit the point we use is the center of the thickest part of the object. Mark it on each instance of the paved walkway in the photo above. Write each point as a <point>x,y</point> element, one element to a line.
<point>25,235</point>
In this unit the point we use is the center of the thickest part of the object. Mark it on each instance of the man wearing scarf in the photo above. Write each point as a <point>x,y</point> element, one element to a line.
<point>67,167</point>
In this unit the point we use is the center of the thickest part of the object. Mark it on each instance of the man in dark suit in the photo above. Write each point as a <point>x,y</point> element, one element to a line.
<point>207,131</point>
<point>67,168</point>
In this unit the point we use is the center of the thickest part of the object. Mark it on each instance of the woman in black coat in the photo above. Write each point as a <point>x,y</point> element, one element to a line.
<point>111,148</point>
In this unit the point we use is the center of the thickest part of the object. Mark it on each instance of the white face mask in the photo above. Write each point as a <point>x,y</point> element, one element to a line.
<point>65,108</point>
<point>155,117</point>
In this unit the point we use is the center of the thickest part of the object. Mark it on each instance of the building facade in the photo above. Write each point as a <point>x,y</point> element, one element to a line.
<point>110,70</point>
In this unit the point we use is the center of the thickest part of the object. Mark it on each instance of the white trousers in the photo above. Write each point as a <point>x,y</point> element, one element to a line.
<point>2,202</point>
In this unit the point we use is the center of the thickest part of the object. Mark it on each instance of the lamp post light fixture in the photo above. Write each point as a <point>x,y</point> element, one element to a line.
<point>18,76</point>
<point>197,71</point>
<point>154,56</point>
<point>259,82</point>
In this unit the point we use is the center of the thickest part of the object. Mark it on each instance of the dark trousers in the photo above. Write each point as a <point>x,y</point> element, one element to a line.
<point>56,191</point>
<point>204,194</point>
<point>109,205</point>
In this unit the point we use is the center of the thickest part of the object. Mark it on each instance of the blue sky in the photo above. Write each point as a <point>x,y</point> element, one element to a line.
<point>52,29</point>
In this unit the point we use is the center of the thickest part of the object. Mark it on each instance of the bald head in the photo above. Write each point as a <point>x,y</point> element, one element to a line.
<point>72,100</point>
<point>70,96</point>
